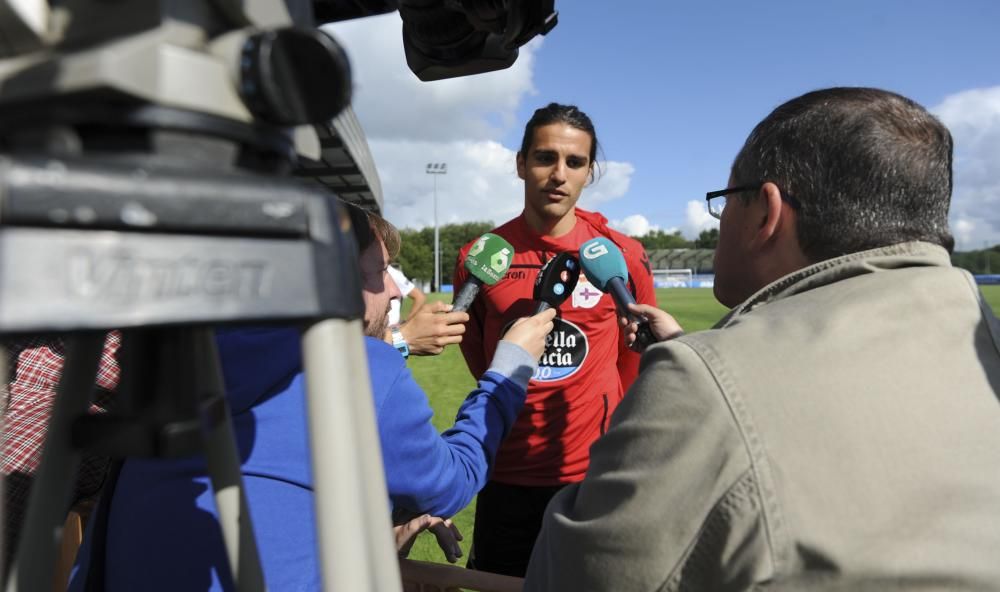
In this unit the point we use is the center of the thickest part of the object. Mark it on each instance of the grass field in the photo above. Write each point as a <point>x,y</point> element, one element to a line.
<point>446,381</point>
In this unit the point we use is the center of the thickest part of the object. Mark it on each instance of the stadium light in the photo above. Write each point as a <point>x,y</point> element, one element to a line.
<point>436,168</point>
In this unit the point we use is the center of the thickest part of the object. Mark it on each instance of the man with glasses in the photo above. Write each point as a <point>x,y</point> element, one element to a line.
<point>839,428</point>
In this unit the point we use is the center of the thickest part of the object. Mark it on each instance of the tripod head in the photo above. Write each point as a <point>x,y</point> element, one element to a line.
<point>97,75</point>
<point>172,121</point>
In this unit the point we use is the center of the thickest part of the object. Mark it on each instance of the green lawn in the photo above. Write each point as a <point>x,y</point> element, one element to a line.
<point>446,381</point>
<point>992,295</point>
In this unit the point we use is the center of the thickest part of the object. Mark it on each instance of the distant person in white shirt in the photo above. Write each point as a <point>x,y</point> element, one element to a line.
<point>408,290</point>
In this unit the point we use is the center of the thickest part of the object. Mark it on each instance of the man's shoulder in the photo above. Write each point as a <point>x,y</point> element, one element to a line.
<point>386,370</point>
<point>633,251</point>
<point>631,248</point>
<point>635,248</point>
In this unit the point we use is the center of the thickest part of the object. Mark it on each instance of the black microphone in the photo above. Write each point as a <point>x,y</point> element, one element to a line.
<point>555,281</point>
<point>604,265</point>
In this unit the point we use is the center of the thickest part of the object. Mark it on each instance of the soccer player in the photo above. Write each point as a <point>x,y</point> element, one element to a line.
<point>585,368</point>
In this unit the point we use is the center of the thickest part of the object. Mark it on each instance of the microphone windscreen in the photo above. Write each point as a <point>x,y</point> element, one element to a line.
<point>489,258</point>
<point>556,280</point>
<point>602,260</point>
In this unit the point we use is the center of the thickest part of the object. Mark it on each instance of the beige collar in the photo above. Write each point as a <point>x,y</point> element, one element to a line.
<point>909,254</point>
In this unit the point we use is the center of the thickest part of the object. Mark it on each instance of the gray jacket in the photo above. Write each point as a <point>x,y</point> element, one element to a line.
<point>844,419</point>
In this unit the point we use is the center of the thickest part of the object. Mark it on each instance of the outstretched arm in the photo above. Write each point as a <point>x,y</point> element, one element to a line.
<point>641,285</point>
<point>663,325</point>
<point>439,474</point>
<point>433,328</point>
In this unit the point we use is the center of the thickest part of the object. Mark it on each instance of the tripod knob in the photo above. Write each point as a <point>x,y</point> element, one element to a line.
<point>294,76</point>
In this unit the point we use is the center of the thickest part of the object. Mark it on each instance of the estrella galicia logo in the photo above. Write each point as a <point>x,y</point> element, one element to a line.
<point>565,351</point>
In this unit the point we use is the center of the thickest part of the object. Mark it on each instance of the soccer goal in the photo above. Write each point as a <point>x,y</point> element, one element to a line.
<point>672,278</point>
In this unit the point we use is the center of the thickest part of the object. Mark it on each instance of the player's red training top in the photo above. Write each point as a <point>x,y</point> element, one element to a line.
<point>585,368</point>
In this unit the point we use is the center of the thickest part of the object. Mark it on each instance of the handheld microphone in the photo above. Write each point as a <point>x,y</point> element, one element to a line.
<point>555,281</point>
<point>604,265</point>
<point>487,262</point>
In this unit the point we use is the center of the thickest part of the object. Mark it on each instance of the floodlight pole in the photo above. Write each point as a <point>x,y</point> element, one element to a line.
<point>436,168</point>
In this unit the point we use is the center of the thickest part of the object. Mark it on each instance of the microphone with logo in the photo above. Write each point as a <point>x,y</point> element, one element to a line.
<point>604,265</point>
<point>487,262</point>
<point>555,281</point>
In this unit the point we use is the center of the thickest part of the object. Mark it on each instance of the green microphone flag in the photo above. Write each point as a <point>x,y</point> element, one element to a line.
<point>487,262</point>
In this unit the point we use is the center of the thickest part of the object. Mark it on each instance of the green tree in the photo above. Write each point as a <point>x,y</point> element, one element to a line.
<point>416,254</point>
<point>659,239</point>
<point>984,261</point>
<point>708,239</point>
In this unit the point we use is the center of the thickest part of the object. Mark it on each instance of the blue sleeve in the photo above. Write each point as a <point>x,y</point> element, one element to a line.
<point>440,473</point>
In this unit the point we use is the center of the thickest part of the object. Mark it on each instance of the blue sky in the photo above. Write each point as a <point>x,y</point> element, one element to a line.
<point>673,88</point>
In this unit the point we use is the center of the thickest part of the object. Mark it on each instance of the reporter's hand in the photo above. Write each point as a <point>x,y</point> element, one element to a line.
<point>433,328</point>
<point>530,332</point>
<point>446,533</point>
<point>663,325</point>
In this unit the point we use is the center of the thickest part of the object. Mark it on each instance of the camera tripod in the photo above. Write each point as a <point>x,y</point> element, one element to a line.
<point>163,247</point>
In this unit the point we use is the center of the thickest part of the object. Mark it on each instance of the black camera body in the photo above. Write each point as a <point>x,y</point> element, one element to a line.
<point>452,38</point>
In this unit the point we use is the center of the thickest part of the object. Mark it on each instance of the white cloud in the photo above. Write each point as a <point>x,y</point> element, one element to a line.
<point>393,103</point>
<point>973,116</point>
<point>634,225</point>
<point>481,184</point>
<point>697,219</point>
<point>460,121</point>
<point>612,184</point>
<point>963,229</point>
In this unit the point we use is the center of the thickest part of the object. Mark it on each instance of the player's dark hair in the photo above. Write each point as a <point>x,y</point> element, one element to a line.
<point>572,116</point>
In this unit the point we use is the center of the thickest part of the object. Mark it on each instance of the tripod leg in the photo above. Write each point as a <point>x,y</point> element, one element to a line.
<point>352,513</point>
<point>34,564</point>
<point>4,401</point>
<point>224,465</point>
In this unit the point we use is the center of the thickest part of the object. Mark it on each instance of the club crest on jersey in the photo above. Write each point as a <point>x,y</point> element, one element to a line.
<point>585,295</point>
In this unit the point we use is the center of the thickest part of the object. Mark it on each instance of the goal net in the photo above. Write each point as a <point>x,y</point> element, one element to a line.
<point>672,278</point>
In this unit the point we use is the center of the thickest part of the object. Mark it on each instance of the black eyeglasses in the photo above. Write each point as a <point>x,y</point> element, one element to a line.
<point>715,207</point>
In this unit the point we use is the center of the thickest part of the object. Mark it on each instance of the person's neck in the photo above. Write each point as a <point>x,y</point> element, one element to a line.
<point>551,227</point>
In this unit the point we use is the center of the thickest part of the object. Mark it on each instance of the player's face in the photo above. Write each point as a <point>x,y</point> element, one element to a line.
<point>377,288</point>
<point>555,170</point>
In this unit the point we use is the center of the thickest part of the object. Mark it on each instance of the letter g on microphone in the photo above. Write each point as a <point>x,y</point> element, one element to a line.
<point>594,250</point>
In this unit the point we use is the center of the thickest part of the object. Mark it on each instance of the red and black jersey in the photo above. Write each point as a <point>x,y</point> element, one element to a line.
<point>585,368</point>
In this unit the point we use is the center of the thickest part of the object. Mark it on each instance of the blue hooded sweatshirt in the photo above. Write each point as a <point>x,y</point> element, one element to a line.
<point>162,532</point>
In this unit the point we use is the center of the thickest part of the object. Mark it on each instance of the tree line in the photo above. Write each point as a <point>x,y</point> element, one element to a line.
<point>416,256</point>
<point>984,261</point>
